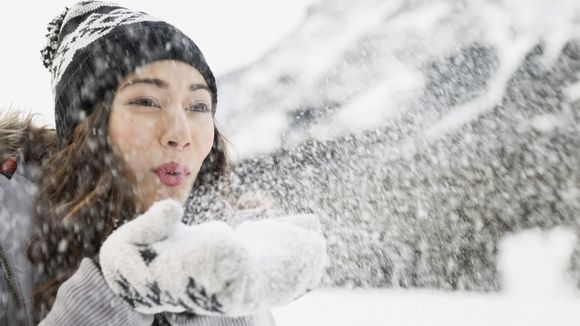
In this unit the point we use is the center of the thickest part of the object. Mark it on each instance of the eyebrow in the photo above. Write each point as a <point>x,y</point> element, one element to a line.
<point>162,84</point>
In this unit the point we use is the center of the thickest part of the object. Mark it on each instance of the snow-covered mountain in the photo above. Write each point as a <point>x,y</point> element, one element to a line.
<point>420,131</point>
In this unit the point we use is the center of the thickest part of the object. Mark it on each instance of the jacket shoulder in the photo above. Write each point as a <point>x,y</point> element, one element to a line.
<point>16,206</point>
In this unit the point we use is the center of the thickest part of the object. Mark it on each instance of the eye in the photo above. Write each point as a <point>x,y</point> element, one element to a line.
<point>144,101</point>
<point>199,107</point>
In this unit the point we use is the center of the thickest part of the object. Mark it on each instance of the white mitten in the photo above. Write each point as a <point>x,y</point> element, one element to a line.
<point>290,254</point>
<point>158,264</point>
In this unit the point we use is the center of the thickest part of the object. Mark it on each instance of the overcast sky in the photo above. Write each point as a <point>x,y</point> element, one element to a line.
<point>230,33</point>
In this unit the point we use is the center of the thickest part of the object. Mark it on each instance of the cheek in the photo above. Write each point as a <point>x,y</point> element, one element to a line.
<point>129,137</point>
<point>208,140</point>
<point>204,139</point>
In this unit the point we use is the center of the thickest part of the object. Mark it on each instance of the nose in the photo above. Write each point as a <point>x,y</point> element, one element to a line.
<point>176,133</point>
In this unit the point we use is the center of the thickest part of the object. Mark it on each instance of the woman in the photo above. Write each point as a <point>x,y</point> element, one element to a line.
<point>101,199</point>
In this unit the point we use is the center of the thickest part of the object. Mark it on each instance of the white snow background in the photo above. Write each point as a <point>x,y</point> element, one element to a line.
<point>235,34</point>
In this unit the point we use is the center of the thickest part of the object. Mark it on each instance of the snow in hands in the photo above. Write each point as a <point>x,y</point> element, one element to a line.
<point>156,263</point>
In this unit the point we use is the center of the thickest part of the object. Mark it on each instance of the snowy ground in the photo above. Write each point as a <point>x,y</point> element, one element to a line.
<point>412,308</point>
<point>536,293</point>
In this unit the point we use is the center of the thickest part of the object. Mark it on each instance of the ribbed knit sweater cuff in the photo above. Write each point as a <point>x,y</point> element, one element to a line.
<point>85,299</point>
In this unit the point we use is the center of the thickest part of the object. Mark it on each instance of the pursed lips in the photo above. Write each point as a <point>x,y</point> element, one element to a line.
<point>172,173</point>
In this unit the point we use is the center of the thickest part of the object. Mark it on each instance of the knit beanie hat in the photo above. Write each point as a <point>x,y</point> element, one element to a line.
<point>93,45</point>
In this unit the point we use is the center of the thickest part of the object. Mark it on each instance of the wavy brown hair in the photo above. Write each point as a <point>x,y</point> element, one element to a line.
<point>84,192</point>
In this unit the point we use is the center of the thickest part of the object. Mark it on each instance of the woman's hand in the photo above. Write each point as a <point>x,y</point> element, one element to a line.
<point>158,264</point>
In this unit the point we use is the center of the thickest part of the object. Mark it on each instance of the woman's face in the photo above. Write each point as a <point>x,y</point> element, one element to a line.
<point>161,124</point>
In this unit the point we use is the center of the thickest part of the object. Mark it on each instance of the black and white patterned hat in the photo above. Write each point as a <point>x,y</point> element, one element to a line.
<point>93,45</point>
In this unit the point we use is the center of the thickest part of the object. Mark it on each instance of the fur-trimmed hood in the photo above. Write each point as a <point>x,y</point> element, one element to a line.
<point>20,136</point>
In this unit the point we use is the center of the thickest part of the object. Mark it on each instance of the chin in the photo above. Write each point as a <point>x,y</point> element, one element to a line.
<point>179,193</point>
<point>177,196</point>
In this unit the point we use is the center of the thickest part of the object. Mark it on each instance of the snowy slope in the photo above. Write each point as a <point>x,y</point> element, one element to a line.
<point>352,65</point>
<point>533,268</point>
<point>421,132</point>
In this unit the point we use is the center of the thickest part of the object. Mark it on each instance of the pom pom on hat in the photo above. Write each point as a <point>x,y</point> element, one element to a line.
<point>53,28</point>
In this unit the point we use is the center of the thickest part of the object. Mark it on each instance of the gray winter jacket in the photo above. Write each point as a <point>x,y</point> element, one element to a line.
<point>16,195</point>
<point>84,299</point>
